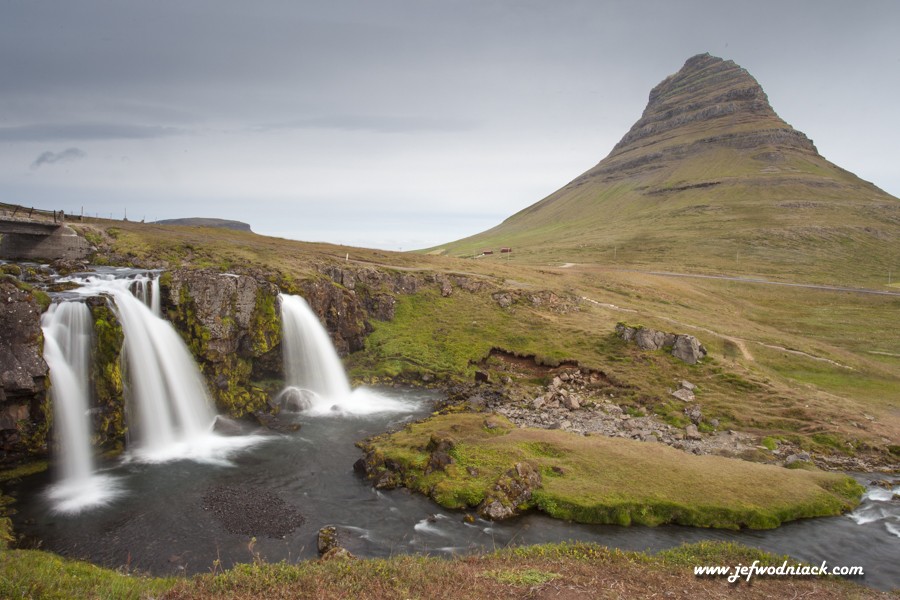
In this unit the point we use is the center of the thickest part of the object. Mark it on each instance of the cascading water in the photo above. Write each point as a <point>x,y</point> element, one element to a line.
<point>315,377</point>
<point>165,390</point>
<point>168,409</point>
<point>146,289</point>
<point>310,361</point>
<point>67,331</point>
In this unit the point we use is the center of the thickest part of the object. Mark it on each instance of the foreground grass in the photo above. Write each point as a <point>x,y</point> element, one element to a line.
<point>567,570</point>
<point>35,574</point>
<point>607,480</point>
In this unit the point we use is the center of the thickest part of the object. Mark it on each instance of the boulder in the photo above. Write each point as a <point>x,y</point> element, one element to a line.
<point>512,491</point>
<point>439,461</point>
<point>692,433</point>
<point>225,426</point>
<point>694,414</point>
<point>294,399</point>
<point>328,545</point>
<point>571,402</point>
<point>684,347</point>
<point>687,348</point>
<point>684,395</point>
<point>795,458</point>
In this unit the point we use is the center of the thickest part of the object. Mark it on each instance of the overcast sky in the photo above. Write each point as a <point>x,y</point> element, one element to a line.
<point>397,124</point>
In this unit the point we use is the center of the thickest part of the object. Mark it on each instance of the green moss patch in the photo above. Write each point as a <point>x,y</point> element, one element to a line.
<point>607,480</point>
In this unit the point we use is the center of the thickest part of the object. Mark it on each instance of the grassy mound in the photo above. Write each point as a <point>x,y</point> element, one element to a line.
<point>605,480</point>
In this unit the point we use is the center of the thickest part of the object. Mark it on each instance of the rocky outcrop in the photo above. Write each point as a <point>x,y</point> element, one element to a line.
<point>108,407</point>
<point>229,322</point>
<point>512,492</point>
<point>377,288</point>
<point>329,546</point>
<point>344,311</point>
<point>545,299</point>
<point>24,402</point>
<point>684,347</point>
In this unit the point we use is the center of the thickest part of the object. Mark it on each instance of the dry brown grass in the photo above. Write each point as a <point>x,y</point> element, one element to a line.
<point>580,572</point>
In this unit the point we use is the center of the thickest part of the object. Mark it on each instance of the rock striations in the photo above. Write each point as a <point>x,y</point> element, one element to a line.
<point>709,102</point>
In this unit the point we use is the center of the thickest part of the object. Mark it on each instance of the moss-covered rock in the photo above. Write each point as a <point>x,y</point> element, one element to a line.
<point>109,427</point>
<point>229,322</point>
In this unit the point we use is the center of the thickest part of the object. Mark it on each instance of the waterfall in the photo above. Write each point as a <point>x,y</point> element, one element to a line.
<point>146,289</point>
<point>169,412</point>
<point>67,331</point>
<point>165,390</point>
<point>315,378</point>
<point>310,361</point>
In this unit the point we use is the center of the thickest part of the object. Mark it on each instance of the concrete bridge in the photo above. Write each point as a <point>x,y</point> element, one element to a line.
<point>29,234</point>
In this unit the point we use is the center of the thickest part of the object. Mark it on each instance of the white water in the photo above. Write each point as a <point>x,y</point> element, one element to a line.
<point>879,506</point>
<point>168,410</point>
<point>146,289</point>
<point>315,377</point>
<point>67,331</point>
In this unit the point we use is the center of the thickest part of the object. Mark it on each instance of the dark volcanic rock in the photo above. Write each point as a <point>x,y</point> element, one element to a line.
<point>23,373</point>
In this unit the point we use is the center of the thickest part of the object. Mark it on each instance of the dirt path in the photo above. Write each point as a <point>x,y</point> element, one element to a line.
<point>740,343</point>
<point>809,286</point>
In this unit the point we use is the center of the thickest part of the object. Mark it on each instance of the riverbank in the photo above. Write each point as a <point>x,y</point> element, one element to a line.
<point>570,571</point>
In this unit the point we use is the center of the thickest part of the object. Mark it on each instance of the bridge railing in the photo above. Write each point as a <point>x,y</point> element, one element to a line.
<point>17,212</point>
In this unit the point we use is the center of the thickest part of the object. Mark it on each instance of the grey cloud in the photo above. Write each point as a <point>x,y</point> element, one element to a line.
<point>67,155</point>
<point>375,123</point>
<point>83,131</point>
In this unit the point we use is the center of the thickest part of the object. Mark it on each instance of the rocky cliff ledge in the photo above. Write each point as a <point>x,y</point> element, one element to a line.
<point>24,400</point>
<point>230,322</point>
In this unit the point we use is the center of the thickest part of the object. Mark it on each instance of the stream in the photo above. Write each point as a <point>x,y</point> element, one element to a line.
<point>162,520</point>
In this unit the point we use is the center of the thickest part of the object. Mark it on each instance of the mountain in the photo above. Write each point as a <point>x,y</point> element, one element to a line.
<point>710,179</point>
<point>207,222</point>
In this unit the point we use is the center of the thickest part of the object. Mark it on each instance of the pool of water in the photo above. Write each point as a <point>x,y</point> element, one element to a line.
<point>159,522</point>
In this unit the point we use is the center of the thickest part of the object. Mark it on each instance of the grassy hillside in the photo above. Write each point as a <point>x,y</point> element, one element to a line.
<point>818,368</point>
<point>710,180</point>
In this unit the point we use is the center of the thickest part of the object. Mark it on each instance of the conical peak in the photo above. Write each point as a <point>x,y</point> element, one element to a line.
<point>708,79</point>
<point>710,100</point>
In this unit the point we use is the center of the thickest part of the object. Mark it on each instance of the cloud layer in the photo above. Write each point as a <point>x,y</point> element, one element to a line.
<point>402,122</point>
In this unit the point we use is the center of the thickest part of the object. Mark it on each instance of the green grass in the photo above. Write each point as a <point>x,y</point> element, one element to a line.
<point>609,480</point>
<point>508,573</point>
<point>34,574</point>
<point>445,336</point>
